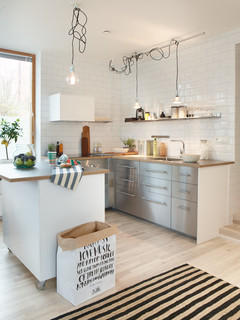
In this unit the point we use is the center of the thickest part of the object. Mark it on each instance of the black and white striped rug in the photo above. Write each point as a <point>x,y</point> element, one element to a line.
<point>182,293</point>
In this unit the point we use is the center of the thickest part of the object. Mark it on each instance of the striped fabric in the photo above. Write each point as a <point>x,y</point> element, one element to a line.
<point>67,177</point>
<point>182,293</point>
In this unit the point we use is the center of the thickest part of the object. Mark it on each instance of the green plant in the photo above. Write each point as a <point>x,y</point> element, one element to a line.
<point>129,142</point>
<point>51,147</point>
<point>9,131</point>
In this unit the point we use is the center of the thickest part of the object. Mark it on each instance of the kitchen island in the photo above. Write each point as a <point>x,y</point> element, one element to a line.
<point>35,210</point>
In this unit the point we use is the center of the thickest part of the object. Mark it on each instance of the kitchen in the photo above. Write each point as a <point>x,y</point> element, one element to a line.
<point>208,76</point>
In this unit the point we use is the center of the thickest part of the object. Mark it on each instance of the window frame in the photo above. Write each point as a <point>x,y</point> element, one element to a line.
<point>33,56</point>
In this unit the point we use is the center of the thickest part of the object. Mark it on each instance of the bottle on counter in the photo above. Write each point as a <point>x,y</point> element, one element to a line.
<point>57,149</point>
<point>60,149</point>
<point>95,148</point>
<point>99,148</point>
<point>155,147</point>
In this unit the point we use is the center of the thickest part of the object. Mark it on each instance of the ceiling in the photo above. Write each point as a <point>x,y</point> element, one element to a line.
<point>31,25</point>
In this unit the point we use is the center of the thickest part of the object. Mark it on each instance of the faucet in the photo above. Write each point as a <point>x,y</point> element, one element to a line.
<point>182,151</point>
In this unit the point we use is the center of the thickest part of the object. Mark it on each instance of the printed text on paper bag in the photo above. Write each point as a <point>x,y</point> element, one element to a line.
<point>96,262</point>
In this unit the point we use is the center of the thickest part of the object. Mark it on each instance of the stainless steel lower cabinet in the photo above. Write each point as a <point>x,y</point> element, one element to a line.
<point>184,217</point>
<point>126,201</point>
<point>155,209</point>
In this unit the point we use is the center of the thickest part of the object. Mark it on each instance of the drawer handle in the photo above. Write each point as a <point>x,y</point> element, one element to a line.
<point>127,180</point>
<point>184,208</point>
<point>127,194</point>
<point>183,191</point>
<point>161,203</point>
<point>185,175</point>
<point>122,166</point>
<point>148,185</point>
<point>155,171</point>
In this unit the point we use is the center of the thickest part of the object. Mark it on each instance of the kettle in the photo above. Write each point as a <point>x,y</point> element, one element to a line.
<point>140,114</point>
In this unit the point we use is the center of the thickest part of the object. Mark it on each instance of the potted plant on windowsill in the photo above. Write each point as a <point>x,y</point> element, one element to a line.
<point>129,143</point>
<point>8,132</point>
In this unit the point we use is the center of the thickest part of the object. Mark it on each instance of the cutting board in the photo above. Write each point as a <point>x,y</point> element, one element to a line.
<point>85,141</point>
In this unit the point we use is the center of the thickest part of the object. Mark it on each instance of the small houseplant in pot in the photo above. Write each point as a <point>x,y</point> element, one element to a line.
<point>52,153</point>
<point>129,143</point>
<point>8,132</point>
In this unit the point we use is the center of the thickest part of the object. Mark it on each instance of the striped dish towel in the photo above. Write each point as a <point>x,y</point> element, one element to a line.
<point>67,177</point>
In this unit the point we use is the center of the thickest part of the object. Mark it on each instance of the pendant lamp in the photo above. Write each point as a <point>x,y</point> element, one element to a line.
<point>78,32</point>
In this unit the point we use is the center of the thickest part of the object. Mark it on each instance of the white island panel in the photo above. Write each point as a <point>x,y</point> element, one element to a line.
<point>35,211</point>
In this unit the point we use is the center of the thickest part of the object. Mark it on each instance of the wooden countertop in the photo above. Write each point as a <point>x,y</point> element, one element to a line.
<point>199,164</point>
<point>41,171</point>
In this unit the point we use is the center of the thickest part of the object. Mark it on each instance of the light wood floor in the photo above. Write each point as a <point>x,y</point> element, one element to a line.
<point>143,250</point>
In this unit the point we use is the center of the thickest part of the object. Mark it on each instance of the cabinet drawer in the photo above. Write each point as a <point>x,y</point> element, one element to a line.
<point>155,170</point>
<point>126,202</point>
<point>126,177</point>
<point>185,174</point>
<point>155,185</point>
<point>184,217</point>
<point>128,170</point>
<point>127,164</point>
<point>184,191</point>
<point>127,188</point>
<point>156,211</point>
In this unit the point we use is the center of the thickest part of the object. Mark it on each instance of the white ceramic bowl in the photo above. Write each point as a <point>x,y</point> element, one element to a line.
<point>190,157</point>
<point>120,150</point>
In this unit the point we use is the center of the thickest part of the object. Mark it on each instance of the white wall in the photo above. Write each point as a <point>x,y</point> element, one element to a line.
<point>95,80</point>
<point>206,78</point>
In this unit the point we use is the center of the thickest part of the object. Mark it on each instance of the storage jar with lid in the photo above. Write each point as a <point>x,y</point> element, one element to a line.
<point>204,150</point>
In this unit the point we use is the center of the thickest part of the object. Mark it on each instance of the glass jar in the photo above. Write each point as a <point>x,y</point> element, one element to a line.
<point>204,150</point>
<point>24,157</point>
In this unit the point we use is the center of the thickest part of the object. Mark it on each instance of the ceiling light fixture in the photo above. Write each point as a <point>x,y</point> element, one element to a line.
<point>80,36</point>
<point>156,53</point>
<point>177,100</point>
<point>136,105</point>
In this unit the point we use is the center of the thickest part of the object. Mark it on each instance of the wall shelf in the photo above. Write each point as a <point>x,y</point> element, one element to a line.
<point>172,119</point>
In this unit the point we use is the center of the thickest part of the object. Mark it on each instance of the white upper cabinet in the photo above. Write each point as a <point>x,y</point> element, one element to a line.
<point>71,108</point>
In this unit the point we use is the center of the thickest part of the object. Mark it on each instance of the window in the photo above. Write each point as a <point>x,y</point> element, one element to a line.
<point>17,93</point>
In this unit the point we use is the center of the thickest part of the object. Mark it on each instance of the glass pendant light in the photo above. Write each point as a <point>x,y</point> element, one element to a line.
<point>72,78</point>
<point>177,100</point>
<point>136,105</point>
<point>80,35</point>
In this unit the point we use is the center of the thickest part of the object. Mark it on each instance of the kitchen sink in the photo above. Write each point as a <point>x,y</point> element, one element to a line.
<point>167,159</point>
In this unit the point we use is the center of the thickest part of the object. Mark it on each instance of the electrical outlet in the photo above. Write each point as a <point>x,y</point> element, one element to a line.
<point>222,140</point>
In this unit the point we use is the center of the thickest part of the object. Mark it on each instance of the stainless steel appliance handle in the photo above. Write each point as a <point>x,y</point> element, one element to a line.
<point>122,166</point>
<point>165,172</point>
<point>161,203</point>
<point>184,208</point>
<point>127,194</point>
<point>127,180</point>
<point>149,185</point>
<point>183,191</point>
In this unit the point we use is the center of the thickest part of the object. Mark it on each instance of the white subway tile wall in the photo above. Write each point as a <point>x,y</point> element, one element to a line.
<point>206,79</point>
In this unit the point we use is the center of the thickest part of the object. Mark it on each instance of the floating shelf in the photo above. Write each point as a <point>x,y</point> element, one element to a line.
<point>171,119</point>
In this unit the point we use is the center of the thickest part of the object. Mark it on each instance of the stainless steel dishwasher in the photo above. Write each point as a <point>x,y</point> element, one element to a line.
<point>105,163</point>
